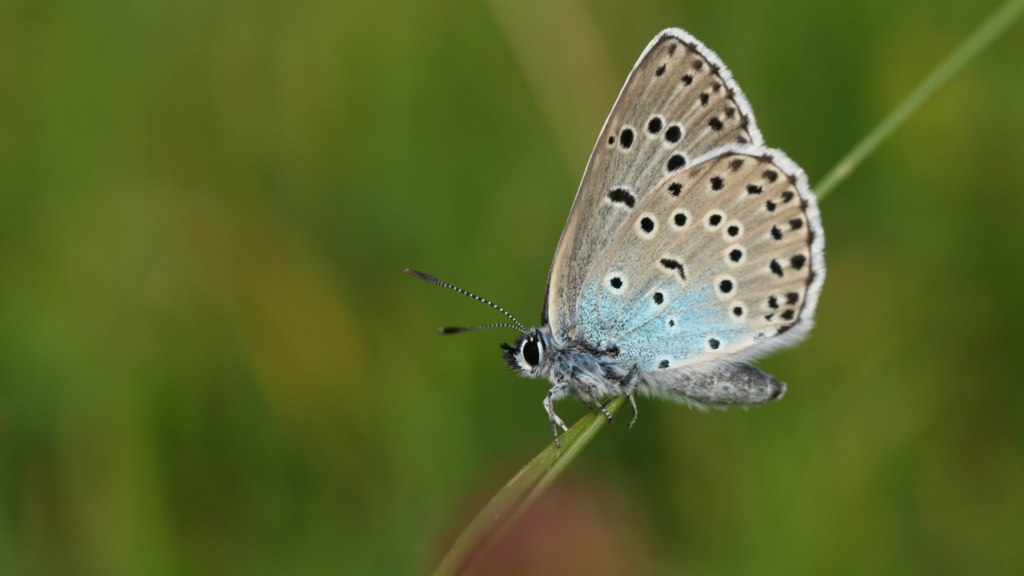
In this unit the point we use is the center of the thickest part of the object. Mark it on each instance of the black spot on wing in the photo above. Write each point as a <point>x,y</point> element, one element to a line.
<point>660,70</point>
<point>776,268</point>
<point>717,183</point>
<point>675,188</point>
<point>626,139</point>
<point>798,261</point>
<point>687,80</point>
<point>675,162</point>
<point>716,124</point>
<point>622,196</point>
<point>671,264</point>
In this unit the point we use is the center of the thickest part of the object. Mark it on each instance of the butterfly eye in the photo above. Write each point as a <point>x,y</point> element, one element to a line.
<point>531,353</point>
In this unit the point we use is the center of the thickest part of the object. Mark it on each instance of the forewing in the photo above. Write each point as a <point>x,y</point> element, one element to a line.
<point>678,103</point>
<point>722,260</point>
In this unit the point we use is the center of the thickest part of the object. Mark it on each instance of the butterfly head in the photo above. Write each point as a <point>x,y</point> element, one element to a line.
<point>527,357</point>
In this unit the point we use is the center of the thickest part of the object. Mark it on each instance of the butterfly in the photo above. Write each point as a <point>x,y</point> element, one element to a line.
<point>691,249</point>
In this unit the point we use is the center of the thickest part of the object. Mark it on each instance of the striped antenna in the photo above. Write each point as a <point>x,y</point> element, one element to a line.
<point>474,328</point>
<point>433,280</point>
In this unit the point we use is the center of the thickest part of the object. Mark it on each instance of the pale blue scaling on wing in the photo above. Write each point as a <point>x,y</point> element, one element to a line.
<point>591,324</point>
<point>678,332</point>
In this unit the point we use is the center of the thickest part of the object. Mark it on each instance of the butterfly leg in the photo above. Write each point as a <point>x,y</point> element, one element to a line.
<point>607,414</point>
<point>632,400</point>
<point>549,406</point>
<point>627,383</point>
<point>599,405</point>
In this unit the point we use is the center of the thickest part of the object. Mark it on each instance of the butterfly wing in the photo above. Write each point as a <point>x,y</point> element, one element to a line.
<point>678,103</point>
<point>720,261</point>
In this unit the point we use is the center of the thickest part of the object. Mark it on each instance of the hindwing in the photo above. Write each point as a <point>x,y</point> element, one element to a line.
<point>722,260</point>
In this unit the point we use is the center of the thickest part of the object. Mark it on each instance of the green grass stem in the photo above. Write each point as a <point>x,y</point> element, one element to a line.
<point>517,495</point>
<point>982,36</point>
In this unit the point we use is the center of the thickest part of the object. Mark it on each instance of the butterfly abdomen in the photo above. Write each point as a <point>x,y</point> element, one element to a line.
<point>716,384</point>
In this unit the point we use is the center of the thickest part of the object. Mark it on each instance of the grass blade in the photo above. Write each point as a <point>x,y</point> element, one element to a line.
<point>982,36</point>
<point>522,490</point>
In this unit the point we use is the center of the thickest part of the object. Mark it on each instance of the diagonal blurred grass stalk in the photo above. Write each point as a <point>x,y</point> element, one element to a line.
<point>982,36</point>
<point>524,488</point>
<point>521,491</point>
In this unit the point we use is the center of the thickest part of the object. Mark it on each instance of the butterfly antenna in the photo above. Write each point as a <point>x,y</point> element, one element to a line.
<point>433,280</point>
<point>474,328</point>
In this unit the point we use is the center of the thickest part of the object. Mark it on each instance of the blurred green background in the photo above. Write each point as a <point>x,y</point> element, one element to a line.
<point>210,362</point>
